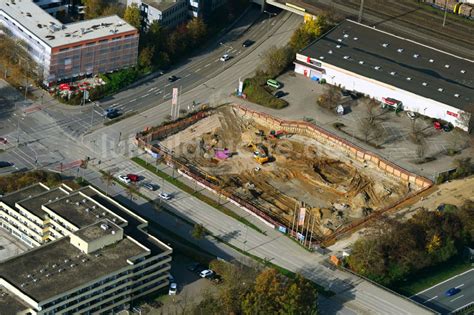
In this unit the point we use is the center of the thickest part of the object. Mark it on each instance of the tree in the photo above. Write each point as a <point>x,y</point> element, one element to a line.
<point>132,15</point>
<point>93,8</point>
<point>113,9</point>
<point>300,297</point>
<point>198,232</point>
<point>300,39</point>
<point>276,60</point>
<point>265,296</point>
<point>131,190</point>
<point>145,58</point>
<point>330,98</point>
<point>197,30</point>
<point>108,179</point>
<point>315,27</point>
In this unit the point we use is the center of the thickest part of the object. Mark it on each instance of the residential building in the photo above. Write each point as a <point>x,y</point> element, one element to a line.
<point>66,51</point>
<point>89,253</point>
<point>388,67</point>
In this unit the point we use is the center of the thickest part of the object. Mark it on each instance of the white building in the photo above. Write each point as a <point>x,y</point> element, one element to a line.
<point>379,64</point>
<point>169,13</point>
<point>89,253</point>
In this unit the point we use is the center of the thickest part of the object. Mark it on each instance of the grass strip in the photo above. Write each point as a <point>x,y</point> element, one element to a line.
<point>179,184</point>
<point>432,276</point>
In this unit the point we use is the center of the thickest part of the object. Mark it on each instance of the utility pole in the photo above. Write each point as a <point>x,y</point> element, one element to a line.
<point>361,11</point>
<point>445,12</point>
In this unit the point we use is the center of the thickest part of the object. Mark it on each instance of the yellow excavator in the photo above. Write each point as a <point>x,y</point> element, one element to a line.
<point>260,152</point>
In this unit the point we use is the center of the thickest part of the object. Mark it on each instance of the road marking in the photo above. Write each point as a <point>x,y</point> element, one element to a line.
<point>461,307</point>
<point>457,298</point>
<point>187,75</point>
<point>198,70</point>
<point>114,104</point>
<point>152,89</point>
<point>167,84</point>
<point>470,270</point>
<point>100,114</point>
<point>158,93</point>
<point>166,95</point>
<point>134,100</point>
<point>434,297</point>
<point>207,65</point>
<point>459,286</point>
<point>144,95</point>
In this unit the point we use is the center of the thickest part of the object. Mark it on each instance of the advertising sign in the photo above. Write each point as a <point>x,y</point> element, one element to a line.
<point>282,229</point>
<point>301,216</point>
<point>241,88</point>
<point>174,99</point>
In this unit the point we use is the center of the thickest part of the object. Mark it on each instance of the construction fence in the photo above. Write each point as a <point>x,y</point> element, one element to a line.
<point>145,141</point>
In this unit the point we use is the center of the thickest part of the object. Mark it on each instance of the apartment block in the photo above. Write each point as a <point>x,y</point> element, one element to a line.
<point>169,13</point>
<point>89,253</point>
<point>65,51</point>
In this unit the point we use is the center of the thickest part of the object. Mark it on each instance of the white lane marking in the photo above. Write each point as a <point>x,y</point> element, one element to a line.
<point>100,114</point>
<point>167,84</point>
<point>457,298</point>
<point>187,75</point>
<point>114,104</point>
<point>166,95</point>
<point>152,89</point>
<point>434,297</point>
<point>459,286</point>
<point>207,65</point>
<point>461,307</point>
<point>470,270</point>
<point>158,93</point>
<point>144,95</point>
<point>134,100</point>
<point>198,70</point>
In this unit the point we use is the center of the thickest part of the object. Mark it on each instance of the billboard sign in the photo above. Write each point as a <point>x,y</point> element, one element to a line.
<point>174,99</point>
<point>301,216</point>
<point>241,88</point>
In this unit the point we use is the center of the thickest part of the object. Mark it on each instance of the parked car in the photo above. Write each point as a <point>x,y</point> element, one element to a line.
<point>3,140</point>
<point>133,177</point>
<point>5,164</point>
<point>345,93</point>
<point>173,289</point>
<point>149,186</point>
<point>195,267</point>
<point>280,94</point>
<point>247,43</point>
<point>438,125</point>
<point>206,273</point>
<point>172,78</point>
<point>452,291</point>
<point>225,57</point>
<point>412,115</point>
<point>165,196</point>
<point>124,179</point>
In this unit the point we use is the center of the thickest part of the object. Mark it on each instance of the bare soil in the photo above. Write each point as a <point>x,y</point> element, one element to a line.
<point>334,188</point>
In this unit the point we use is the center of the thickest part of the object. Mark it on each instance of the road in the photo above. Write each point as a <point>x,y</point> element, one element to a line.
<point>51,136</point>
<point>436,299</point>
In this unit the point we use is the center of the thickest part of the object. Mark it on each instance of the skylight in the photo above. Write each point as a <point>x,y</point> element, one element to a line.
<point>400,50</point>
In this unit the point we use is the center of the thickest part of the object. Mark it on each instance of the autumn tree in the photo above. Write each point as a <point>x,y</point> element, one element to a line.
<point>93,8</point>
<point>132,15</point>
<point>108,179</point>
<point>197,30</point>
<point>198,232</point>
<point>145,58</point>
<point>276,60</point>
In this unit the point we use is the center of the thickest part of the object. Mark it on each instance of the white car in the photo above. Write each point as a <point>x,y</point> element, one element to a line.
<point>206,273</point>
<point>225,57</point>
<point>165,196</point>
<point>124,179</point>
<point>173,289</point>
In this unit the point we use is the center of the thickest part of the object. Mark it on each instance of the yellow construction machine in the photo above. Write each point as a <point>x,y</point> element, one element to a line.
<point>260,152</point>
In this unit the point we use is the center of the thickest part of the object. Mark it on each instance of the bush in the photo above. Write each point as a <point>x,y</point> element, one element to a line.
<point>258,94</point>
<point>13,182</point>
<point>338,125</point>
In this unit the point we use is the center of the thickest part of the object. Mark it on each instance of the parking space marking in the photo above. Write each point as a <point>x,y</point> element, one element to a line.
<point>197,70</point>
<point>434,297</point>
<point>457,298</point>
<point>461,285</point>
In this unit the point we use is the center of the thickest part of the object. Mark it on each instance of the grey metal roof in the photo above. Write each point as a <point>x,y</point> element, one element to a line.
<point>403,63</point>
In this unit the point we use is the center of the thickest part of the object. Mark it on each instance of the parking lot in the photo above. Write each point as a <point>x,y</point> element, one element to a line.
<point>395,143</point>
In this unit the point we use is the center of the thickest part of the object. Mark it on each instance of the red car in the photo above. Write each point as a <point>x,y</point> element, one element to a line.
<point>133,177</point>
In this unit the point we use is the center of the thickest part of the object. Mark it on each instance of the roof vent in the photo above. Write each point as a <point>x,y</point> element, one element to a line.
<point>424,84</point>
<point>393,73</point>
<point>463,71</point>
<point>377,67</point>
<point>361,62</point>
<point>446,66</point>
<point>347,57</point>
<point>86,210</point>
<point>385,45</point>
<point>77,203</point>
<point>456,95</point>
<point>346,35</point>
<point>104,226</point>
<point>440,89</point>
<point>408,79</point>
<point>94,206</point>
<point>321,57</point>
<point>400,50</point>
<point>84,200</point>
<point>356,38</point>
<point>330,52</point>
<point>67,200</point>
<point>338,46</point>
<point>339,40</point>
<point>431,60</point>
<point>416,55</point>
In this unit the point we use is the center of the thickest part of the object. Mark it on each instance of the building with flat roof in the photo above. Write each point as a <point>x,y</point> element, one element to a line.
<point>65,51</point>
<point>384,66</point>
<point>94,256</point>
<point>169,13</point>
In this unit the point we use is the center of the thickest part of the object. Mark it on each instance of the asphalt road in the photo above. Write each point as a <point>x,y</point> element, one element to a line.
<point>436,298</point>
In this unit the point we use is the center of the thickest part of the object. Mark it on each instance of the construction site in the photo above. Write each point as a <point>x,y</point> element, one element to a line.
<point>296,179</point>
